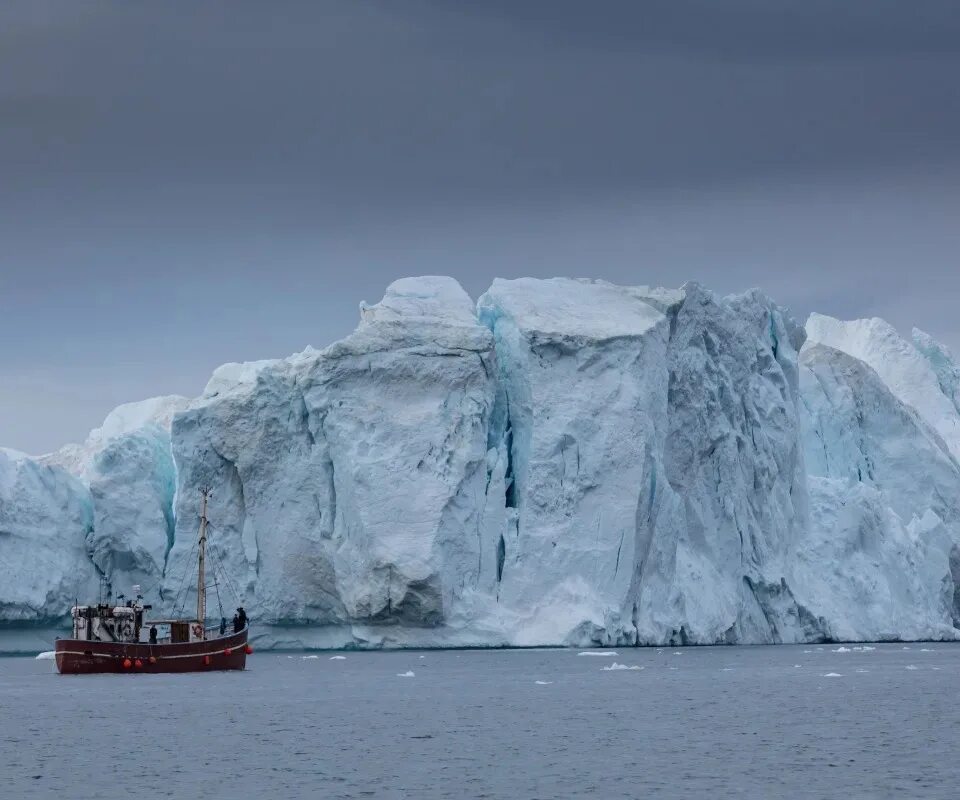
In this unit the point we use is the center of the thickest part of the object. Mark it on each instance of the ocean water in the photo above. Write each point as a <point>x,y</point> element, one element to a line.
<point>757,722</point>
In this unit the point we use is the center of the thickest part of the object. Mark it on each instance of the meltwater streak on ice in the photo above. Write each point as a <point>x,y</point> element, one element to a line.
<point>478,724</point>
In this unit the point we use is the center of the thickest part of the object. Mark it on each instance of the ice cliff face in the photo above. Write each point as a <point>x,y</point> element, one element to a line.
<point>127,479</point>
<point>567,462</point>
<point>652,459</point>
<point>348,483</point>
<point>882,555</point>
<point>45,516</point>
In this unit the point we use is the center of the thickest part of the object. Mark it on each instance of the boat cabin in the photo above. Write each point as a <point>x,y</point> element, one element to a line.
<point>106,623</point>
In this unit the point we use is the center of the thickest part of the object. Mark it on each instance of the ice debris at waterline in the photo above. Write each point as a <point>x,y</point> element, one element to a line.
<point>565,462</point>
<point>615,667</point>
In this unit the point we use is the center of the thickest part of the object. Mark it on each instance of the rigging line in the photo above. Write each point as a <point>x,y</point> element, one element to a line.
<point>218,563</point>
<point>183,578</point>
<point>228,582</point>
<point>181,588</point>
<point>216,586</point>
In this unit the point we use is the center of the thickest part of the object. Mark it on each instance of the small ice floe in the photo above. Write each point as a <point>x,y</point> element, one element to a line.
<point>543,683</point>
<point>47,655</point>
<point>867,649</point>
<point>911,666</point>
<point>616,666</point>
<point>407,674</point>
<point>863,670</point>
<point>727,669</point>
<point>841,649</point>
<point>674,667</point>
<point>936,668</point>
<point>677,653</point>
<point>305,658</point>
<point>904,648</point>
<point>808,651</point>
<point>602,653</point>
<point>927,650</point>
<point>796,666</point>
<point>338,658</point>
<point>422,656</point>
<point>833,675</point>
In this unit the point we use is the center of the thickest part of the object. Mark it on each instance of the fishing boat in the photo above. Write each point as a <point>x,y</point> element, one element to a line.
<point>110,638</point>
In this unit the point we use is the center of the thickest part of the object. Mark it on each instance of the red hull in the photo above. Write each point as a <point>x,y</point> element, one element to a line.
<point>78,656</point>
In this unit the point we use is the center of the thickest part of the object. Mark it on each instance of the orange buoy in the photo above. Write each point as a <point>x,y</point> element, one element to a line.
<point>206,661</point>
<point>138,664</point>
<point>127,663</point>
<point>152,659</point>
<point>248,650</point>
<point>228,652</point>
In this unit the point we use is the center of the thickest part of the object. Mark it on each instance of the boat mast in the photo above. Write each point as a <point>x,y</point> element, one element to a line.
<point>201,558</point>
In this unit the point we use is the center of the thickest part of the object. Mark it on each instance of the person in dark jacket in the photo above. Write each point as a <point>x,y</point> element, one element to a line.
<point>153,634</point>
<point>237,627</point>
<point>242,615</point>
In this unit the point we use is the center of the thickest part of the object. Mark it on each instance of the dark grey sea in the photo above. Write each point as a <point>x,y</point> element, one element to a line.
<point>758,722</point>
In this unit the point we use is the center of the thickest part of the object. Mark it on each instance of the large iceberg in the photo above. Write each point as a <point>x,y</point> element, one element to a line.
<point>565,462</point>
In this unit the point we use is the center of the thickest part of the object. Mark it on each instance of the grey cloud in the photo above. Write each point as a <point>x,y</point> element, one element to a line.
<point>187,183</point>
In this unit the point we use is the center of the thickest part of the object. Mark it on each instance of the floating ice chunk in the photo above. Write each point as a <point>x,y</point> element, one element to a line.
<point>605,653</point>
<point>865,648</point>
<point>808,651</point>
<point>422,656</point>
<point>677,653</point>
<point>338,658</point>
<point>905,648</point>
<point>727,669</point>
<point>841,649</point>
<point>616,666</point>
<point>407,674</point>
<point>47,655</point>
<point>863,670</point>
<point>308,657</point>
<point>539,683</point>
<point>796,666</point>
<point>927,650</point>
<point>911,666</point>
<point>833,675</point>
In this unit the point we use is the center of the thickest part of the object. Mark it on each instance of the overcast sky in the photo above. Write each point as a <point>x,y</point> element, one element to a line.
<point>183,184</point>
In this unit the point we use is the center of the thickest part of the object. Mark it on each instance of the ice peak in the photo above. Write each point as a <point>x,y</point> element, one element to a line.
<point>571,307</point>
<point>129,417</point>
<point>908,370</point>
<point>428,298</point>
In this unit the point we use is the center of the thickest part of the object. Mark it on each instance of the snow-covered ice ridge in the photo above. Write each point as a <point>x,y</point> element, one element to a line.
<point>565,462</point>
